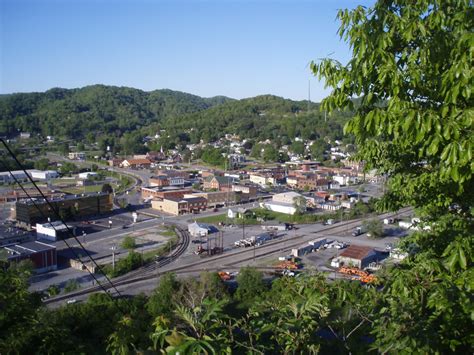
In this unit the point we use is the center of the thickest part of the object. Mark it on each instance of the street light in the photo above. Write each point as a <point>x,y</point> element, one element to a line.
<point>84,236</point>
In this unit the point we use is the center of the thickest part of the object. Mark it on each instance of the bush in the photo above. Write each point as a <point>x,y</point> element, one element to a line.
<point>71,285</point>
<point>128,243</point>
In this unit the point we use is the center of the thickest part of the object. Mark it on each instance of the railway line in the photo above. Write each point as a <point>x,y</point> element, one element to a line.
<point>150,271</point>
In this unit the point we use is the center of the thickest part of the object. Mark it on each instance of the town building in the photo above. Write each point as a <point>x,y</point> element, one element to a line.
<point>249,190</point>
<point>179,206</point>
<point>163,192</point>
<point>219,183</point>
<point>52,231</point>
<point>42,255</point>
<point>9,177</point>
<point>43,174</point>
<point>219,198</point>
<point>160,181</point>
<point>201,229</point>
<point>87,175</point>
<point>29,212</point>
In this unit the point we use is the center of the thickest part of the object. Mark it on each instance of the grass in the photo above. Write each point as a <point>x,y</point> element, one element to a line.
<point>223,218</point>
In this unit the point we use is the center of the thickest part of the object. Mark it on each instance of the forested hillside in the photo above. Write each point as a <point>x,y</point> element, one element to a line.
<point>94,109</point>
<point>261,117</point>
<point>106,113</point>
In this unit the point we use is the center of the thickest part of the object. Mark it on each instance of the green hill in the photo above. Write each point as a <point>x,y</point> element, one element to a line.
<point>106,113</point>
<point>97,109</point>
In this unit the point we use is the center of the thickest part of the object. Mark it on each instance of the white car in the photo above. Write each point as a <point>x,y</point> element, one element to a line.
<point>71,301</point>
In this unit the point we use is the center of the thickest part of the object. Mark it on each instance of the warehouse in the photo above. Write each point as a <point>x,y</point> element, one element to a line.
<point>42,255</point>
<point>357,256</point>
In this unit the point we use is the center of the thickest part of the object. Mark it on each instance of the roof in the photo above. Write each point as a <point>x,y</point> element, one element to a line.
<point>56,225</point>
<point>223,179</point>
<point>137,161</point>
<point>28,248</point>
<point>209,227</point>
<point>356,252</point>
<point>289,194</point>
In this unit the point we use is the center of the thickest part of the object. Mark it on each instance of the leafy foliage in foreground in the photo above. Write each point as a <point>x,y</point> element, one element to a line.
<point>416,58</point>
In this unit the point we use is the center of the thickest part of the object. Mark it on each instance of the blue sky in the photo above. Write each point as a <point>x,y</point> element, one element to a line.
<point>233,48</point>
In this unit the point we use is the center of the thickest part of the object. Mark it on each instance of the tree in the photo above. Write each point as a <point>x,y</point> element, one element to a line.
<point>299,203</point>
<point>297,147</point>
<point>374,228</point>
<point>71,285</point>
<point>162,300</point>
<point>80,147</point>
<point>411,69</point>
<point>64,148</point>
<point>68,168</point>
<point>270,154</point>
<point>318,149</point>
<point>250,285</point>
<point>42,164</point>
<point>107,188</point>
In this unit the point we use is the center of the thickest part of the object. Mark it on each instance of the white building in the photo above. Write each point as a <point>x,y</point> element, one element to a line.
<point>52,231</point>
<point>262,180</point>
<point>201,229</point>
<point>344,179</point>
<point>286,197</point>
<point>43,174</point>
<point>281,207</point>
<point>87,175</point>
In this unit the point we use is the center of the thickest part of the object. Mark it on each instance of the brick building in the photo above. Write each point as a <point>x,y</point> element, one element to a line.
<point>42,255</point>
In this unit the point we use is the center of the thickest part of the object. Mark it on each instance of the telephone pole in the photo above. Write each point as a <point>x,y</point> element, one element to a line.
<point>113,256</point>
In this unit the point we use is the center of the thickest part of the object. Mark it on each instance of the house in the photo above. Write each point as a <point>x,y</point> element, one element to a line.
<point>357,256</point>
<point>155,156</point>
<point>25,135</point>
<point>42,255</point>
<point>115,162</point>
<point>136,163</point>
<point>201,229</point>
<point>77,156</point>
<point>232,214</point>
<point>220,183</point>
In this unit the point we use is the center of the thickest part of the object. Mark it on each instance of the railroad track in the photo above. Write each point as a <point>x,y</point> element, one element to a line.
<point>150,271</point>
<point>136,275</point>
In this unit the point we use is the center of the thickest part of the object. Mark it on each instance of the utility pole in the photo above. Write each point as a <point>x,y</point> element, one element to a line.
<point>113,256</point>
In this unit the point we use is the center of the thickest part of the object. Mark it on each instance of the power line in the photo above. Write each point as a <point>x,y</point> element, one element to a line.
<point>67,227</point>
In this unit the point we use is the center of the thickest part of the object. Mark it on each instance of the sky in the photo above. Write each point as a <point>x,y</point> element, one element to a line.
<point>207,48</point>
